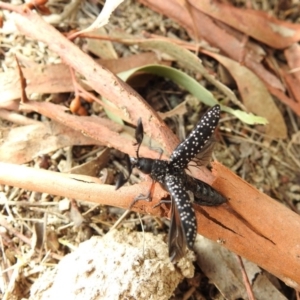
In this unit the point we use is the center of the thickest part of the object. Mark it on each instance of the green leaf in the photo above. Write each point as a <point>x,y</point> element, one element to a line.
<point>195,88</point>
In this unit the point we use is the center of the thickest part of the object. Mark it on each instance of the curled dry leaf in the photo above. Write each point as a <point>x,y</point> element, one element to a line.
<point>93,166</point>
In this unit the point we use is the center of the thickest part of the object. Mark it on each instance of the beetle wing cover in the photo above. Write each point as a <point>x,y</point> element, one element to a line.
<point>199,143</point>
<point>183,229</point>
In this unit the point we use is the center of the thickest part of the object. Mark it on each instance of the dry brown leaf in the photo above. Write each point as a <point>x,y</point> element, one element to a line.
<point>255,96</point>
<point>130,62</point>
<point>53,79</point>
<point>92,167</point>
<point>22,144</point>
<point>50,79</point>
<point>257,24</point>
<point>101,48</point>
<point>222,269</point>
<point>285,99</point>
<point>216,36</point>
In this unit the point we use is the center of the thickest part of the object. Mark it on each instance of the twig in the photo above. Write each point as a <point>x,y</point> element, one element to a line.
<point>245,278</point>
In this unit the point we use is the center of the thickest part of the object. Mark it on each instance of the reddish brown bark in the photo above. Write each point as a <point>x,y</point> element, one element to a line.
<point>251,224</point>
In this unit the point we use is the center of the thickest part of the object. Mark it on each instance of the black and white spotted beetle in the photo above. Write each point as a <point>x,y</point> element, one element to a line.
<point>197,147</point>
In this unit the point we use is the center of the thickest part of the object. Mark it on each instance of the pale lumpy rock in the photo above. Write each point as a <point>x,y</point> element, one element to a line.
<point>120,265</point>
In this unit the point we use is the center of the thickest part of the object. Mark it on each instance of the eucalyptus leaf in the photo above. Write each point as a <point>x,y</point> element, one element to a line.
<point>195,88</point>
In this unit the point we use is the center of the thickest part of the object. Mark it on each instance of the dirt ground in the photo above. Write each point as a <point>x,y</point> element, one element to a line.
<point>38,228</point>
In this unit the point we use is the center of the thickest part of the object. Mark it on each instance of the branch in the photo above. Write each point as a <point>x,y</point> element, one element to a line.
<point>257,227</point>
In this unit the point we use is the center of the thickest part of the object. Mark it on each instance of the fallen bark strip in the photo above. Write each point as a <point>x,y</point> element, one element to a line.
<point>251,224</point>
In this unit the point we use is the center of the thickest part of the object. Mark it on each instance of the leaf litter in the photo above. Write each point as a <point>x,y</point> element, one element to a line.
<point>269,164</point>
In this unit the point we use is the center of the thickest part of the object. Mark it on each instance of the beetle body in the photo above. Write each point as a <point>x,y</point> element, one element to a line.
<point>171,175</point>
